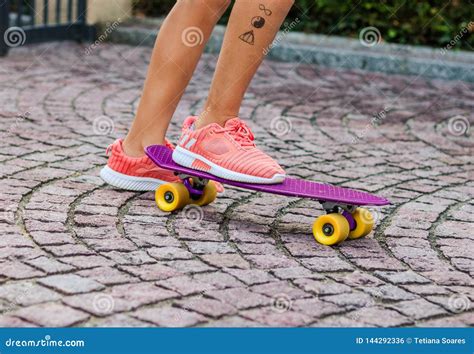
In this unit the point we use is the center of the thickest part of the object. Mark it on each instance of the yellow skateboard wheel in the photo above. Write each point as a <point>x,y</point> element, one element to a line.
<point>172,196</point>
<point>364,223</point>
<point>208,196</point>
<point>330,229</point>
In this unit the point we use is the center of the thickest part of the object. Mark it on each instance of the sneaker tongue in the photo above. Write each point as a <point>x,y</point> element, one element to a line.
<point>242,133</point>
<point>232,122</point>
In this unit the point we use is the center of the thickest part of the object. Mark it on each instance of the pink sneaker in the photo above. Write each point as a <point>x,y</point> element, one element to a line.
<point>227,152</point>
<point>134,173</point>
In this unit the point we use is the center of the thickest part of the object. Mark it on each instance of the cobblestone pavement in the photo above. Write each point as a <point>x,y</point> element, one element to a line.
<point>74,252</point>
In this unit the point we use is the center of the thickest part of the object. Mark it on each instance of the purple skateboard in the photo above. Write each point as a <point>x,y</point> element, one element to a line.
<point>343,219</point>
<point>291,187</point>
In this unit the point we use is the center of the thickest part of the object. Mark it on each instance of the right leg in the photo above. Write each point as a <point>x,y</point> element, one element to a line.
<point>177,50</point>
<point>252,28</point>
<point>218,142</point>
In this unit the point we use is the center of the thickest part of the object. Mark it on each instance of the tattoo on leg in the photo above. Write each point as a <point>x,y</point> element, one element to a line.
<point>248,37</point>
<point>267,12</point>
<point>258,22</point>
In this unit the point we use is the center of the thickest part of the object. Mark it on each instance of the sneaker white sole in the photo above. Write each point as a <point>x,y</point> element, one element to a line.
<point>186,158</point>
<point>130,183</point>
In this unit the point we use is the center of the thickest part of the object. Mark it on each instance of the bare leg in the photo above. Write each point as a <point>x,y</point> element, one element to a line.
<point>177,50</point>
<point>251,29</point>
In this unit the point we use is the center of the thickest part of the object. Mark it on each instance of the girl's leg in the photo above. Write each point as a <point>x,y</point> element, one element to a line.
<point>217,141</point>
<point>251,29</point>
<point>179,45</point>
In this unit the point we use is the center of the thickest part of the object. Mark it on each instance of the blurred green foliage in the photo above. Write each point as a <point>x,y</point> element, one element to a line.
<point>434,22</point>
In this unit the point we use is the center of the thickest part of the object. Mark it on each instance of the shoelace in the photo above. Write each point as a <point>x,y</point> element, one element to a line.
<point>241,133</point>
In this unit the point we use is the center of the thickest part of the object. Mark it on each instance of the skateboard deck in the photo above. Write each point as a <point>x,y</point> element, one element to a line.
<point>291,187</point>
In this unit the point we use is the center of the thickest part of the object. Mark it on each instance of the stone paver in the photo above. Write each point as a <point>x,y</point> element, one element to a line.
<point>75,252</point>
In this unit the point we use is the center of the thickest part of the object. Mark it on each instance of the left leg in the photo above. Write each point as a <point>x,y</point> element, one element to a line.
<point>179,45</point>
